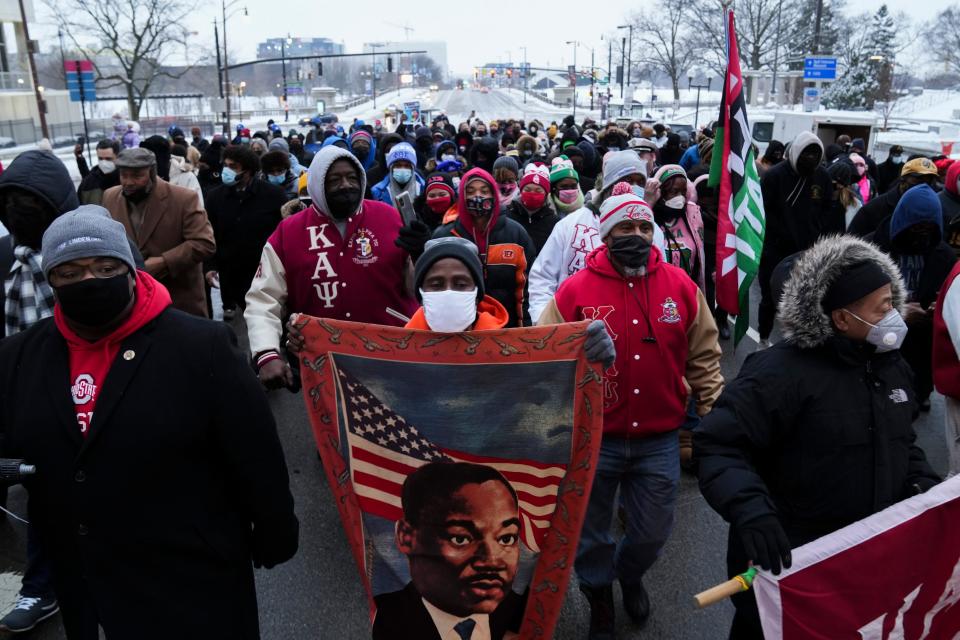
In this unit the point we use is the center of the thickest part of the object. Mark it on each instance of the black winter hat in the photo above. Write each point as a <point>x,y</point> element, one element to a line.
<point>841,172</point>
<point>451,247</point>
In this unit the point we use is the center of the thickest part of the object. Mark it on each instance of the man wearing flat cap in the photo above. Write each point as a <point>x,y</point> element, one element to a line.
<point>160,478</point>
<point>168,225</point>
<point>815,433</point>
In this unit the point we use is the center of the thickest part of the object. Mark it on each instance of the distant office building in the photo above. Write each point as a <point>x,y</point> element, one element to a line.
<point>14,68</point>
<point>298,47</point>
<point>434,49</point>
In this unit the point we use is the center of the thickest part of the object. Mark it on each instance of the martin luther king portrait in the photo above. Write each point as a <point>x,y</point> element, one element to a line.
<point>460,532</point>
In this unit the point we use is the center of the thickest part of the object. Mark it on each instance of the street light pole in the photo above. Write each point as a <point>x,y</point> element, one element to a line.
<point>575,45</point>
<point>698,87</point>
<point>626,70</point>
<point>41,105</point>
<point>226,64</point>
<point>283,63</point>
<point>776,52</point>
<point>216,45</point>
<point>592,78</point>
<point>373,73</point>
<point>526,73</point>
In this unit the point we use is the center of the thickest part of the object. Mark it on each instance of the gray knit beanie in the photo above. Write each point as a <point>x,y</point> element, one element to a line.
<point>86,232</point>
<point>618,165</point>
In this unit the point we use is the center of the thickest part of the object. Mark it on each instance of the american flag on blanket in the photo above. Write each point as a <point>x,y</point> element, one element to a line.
<point>384,449</point>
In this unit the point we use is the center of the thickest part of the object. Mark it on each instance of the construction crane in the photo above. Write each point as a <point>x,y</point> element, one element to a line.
<point>406,28</point>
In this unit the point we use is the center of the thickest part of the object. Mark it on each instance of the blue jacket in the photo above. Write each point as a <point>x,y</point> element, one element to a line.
<point>690,157</point>
<point>381,193</point>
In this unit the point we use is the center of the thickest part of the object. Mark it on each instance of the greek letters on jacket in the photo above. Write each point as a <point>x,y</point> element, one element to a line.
<point>648,319</point>
<point>353,278</point>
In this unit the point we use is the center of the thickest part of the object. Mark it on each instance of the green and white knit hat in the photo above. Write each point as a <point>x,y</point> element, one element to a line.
<point>562,168</point>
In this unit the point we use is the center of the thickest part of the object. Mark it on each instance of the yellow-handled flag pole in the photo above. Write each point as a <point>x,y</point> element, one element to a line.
<point>733,586</point>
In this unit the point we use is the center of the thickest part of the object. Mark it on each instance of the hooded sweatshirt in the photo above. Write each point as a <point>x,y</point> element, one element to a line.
<point>665,338</point>
<point>489,149</point>
<point>797,208</point>
<point>924,271</point>
<point>506,250</point>
<point>490,315</point>
<point>309,266</point>
<point>45,176</point>
<point>90,361</point>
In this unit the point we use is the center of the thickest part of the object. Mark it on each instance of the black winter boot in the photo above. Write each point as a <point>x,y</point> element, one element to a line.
<point>601,612</point>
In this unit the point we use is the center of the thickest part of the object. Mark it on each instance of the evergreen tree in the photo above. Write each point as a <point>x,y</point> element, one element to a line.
<point>867,66</point>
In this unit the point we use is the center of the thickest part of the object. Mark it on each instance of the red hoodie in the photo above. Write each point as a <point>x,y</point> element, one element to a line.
<point>90,361</point>
<point>467,219</point>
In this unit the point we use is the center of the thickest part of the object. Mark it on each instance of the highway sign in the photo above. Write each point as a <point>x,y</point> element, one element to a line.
<point>819,68</point>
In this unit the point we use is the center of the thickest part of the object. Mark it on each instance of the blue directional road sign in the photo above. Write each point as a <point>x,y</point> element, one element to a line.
<point>819,68</point>
<point>80,80</point>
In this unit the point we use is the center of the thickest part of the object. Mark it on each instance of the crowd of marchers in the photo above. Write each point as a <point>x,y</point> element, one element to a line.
<point>161,481</point>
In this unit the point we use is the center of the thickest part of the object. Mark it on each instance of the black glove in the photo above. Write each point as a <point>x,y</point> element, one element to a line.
<point>598,345</point>
<point>765,543</point>
<point>412,236</point>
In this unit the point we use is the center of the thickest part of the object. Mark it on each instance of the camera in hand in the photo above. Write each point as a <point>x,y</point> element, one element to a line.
<point>12,470</point>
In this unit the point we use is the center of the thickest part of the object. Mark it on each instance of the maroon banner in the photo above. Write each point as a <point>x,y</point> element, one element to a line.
<point>461,465</point>
<point>894,575</point>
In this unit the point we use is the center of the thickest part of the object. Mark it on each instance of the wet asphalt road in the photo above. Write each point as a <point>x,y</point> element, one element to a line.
<point>317,595</point>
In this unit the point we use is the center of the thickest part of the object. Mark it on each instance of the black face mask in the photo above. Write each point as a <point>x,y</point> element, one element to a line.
<point>138,195</point>
<point>663,214</point>
<point>27,224</point>
<point>630,251</point>
<point>361,154</point>
<point>806,165</point>
<point>344,203</point>
<point>480,206</point>
<point>95,302</point>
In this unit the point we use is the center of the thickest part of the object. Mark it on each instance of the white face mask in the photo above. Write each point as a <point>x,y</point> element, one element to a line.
<point>449,311</point>
<point>676,202</point>
<point>107,166</point>
<point>888,334</point>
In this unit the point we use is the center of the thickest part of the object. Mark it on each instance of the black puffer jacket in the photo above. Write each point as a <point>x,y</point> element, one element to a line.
<point>817,429</point>
<point>538,224</point>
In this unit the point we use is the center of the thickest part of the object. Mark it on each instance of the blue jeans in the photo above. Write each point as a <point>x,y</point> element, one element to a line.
<point>37,581</point>
<point>647,472</point>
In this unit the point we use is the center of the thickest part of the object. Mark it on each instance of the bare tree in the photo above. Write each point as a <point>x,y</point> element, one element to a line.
<point>757,35</point>
<point>666,41</point>
<point>129,42</point>
<point>944,30</point>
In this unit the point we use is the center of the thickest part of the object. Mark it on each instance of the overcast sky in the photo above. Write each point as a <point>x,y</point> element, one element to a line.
<point>475,32</point>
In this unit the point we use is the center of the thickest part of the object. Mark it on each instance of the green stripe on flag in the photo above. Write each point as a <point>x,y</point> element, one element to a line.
<point>716,161</point>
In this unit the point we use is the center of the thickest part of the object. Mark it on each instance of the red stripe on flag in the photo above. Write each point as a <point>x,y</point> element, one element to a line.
<point>381,509</point>
<point>386,463</point>
<point>376,482</point>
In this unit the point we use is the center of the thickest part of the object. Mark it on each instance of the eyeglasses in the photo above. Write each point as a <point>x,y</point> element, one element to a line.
<point>70,273</point>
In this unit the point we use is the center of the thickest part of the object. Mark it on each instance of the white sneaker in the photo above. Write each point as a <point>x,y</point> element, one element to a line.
<point>763,344</point>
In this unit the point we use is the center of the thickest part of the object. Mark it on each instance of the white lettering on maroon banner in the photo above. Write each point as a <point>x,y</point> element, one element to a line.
<point>892,576</point>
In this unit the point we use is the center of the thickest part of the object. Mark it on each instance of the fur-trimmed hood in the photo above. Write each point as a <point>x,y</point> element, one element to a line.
<point>802,318</point>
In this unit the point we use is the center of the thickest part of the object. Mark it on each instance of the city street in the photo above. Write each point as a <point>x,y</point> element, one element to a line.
<point>318,595</point>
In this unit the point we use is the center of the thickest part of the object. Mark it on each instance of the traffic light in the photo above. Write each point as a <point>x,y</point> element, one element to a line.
<point>509,73</point>
<point>319,69</point>
<point>493,73</point>
<point>390,64</point>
